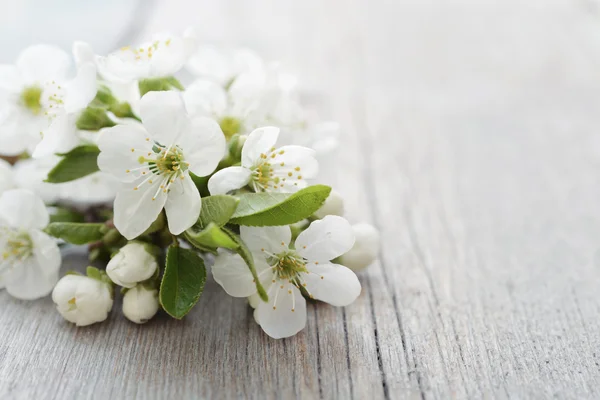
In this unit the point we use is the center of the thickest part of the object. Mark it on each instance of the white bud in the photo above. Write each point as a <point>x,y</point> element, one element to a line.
<point>334,205</point>
<point>140,304</point>
<point>132,264</point>
<point>82,300</point>
<point>365,248</point>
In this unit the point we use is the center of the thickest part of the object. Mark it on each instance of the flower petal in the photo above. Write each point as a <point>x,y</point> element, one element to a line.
<point>43,62</point>
<point>23,209</point>
<point>183,205</point>
<point>82,89</point>
<point>10,79</point>
<point>28,280</point>
<point>203,145</point>
<point>60,137</point>
<point>228,179</point>
<point>163,115</point>
<point>285,313</point>
<point>205,98</point>
<point>116,157</point>
<point>326,239</point>
<point>260,141</point>
<point>232,273</point>
<point>272,239</point>
<point>332,283</point>
<point>135,210</point>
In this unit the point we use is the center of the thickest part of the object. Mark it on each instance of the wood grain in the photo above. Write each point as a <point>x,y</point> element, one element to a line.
<point>471,139</point>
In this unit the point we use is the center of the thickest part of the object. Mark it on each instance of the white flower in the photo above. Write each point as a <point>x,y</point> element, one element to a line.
<point>285,270</point>
<point>7,180</point>
<point>140,304</point>
<point>154,162</point>
<point>365,250</point>
<point>36,96</point>
<point>162,56</point>
<point>132,264</point>
<point>222,66</point>
<point>82,300</point>
<point>29,259</point>
<point>256,98</point>
<point>334,205</point>
<point>266,168</point>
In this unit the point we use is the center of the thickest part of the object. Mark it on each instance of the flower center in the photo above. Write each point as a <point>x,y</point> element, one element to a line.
<point>230,126</point>
<point>272,173</point>
<point>288,265</point>
<point>31,99</point>
<point>16,246</point>
<point>144,52</point>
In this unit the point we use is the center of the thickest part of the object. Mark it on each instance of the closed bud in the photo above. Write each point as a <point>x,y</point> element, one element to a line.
<point>365,248</point>
<point>132,264</point>
<point>83,300</point>
<point>140,304</point>
<point>334,205</point>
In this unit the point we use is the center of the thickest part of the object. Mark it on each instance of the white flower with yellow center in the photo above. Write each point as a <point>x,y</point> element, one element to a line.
<point>162,56</point>
<point>266,168</point>
<point>29,259</point>
<point>36,96</point>
<point>289,271</point>
<point>154,161</point>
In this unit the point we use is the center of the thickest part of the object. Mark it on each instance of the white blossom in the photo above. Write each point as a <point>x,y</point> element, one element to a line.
<point>285,270</point>
<point>154,161</point>
<point>334,205</point>
<point>140,304</point>
<point>37,97</point>
<point>365,249</point>
<point>82,300</point>
<point>29,259</point>
<point>132,264</point>
<point>266,168</point>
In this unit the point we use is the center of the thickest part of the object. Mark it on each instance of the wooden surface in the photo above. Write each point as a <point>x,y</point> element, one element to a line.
<point>472,140</point>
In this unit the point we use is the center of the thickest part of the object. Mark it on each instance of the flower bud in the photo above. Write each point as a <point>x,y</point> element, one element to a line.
<point>334,205</point>
<point>140,304</point>
<point>365,248</point>
<point>132,264</point>
<point>82,300</point>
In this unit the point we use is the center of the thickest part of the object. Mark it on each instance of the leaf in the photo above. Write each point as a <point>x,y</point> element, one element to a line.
<point>246,255</point>
<point>94,119</point>
<point>211,237</point>
<point>61,214</point>
<point>272,209</point>
<point>76,233</point>
<point>183,281</point>
<point>159,85</point>
<point>217,209</point>
<point>79,162</point>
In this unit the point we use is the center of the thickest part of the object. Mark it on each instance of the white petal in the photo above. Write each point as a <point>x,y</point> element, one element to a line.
<point>260,141</point>
<point>81,90</point>
<point>276,317</point>
<point>42,62</point>
<point>60,137</point>
<point>203,145</point>
<point>135,210</point>
<point>183,205</point>
<point>10,79</point>
<point>19,130</point>
<point>272,239</point>
<point>297,157</point>
<point>332,283</point>
<point>163,115</point>
<point>23,209</point>
<point>232,273</point>
<point>205,98</point>
<point>116,157</point>
<point>228,179</point>
<point>7,180</point>
<point>83,53</point>
<point>28,280</point>
<point>326,239</point>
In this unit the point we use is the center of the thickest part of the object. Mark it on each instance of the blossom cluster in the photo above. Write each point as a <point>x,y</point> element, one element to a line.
<point>163,181</point>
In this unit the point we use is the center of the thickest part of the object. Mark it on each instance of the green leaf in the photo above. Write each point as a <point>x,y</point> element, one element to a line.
<point>211,237</point>
<point>159,84</point>
<point>272,209</point>
<point>79,162</point>
<point>94,119</point>
<point>217,209</point>
<point>183,281</point>
<point>246,255</point>
<point>61,214</point>
<point>76,233</point>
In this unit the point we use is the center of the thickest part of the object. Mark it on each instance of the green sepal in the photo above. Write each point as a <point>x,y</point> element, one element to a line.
<point>94,119</point>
